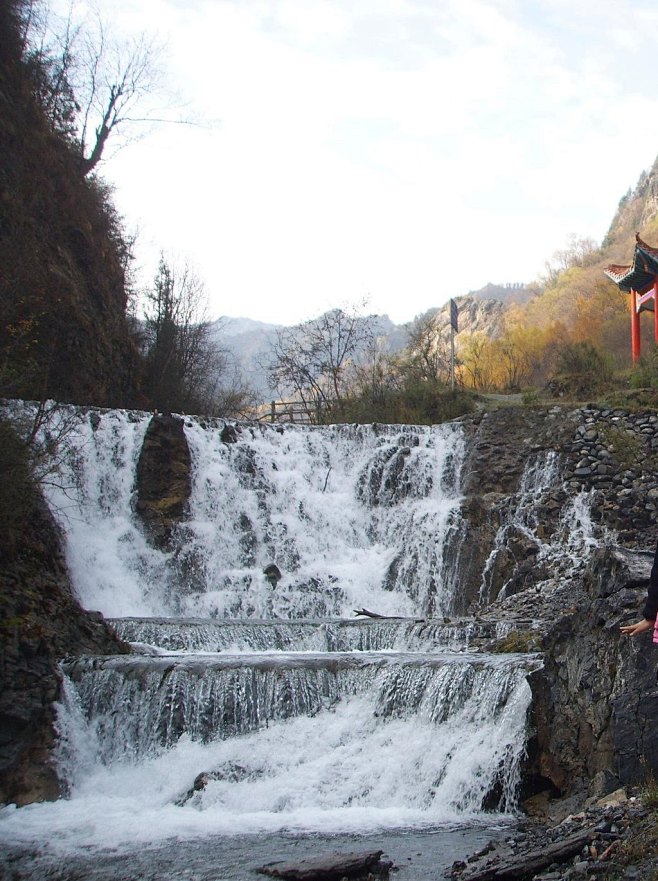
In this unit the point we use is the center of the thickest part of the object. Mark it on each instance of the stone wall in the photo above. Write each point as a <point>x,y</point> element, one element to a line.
<point>615,453</point>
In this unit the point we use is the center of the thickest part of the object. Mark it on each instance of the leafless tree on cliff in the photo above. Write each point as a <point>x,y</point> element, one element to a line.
<point>94,85</point>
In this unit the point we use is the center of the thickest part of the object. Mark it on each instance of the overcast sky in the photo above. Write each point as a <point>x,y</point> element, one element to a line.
<point>403,151</point>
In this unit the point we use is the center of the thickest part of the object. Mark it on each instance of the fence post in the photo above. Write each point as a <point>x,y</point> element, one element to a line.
<point>273,411</point>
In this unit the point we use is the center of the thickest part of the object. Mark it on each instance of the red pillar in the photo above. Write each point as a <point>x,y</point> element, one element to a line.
<point>635,328</point>
<point>655,308</point>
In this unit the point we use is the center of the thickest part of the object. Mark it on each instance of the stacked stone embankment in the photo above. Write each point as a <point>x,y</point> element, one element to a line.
<point>615,452</point>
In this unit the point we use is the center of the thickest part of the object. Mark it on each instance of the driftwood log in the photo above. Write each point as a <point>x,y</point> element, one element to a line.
<point>368,614</point>
<point>525,865</point>
<point>330,867</point>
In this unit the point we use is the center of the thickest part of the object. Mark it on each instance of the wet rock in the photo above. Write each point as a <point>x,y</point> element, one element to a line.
<point>332,867</point>
<point>273,574</point>
<point>616,846</point>
<point>40,623</point>
<point>229,434</point>
<point>163,479</point>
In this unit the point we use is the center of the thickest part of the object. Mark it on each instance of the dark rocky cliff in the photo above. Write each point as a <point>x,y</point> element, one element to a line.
<point>64,332</point>
<point>40,622</point>
<point>594,701</point>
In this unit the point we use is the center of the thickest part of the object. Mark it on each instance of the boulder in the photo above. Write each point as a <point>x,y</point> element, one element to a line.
<point>163,479</point>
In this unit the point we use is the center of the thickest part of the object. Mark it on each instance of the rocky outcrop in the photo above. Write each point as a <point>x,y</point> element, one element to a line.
<point>163,478</point>
<point>493,553</point>
<point>595,709</point>
<point>40,622</point>
<point>594,702</point>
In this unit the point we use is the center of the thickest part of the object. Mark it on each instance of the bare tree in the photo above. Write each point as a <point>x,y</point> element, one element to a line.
<point>115,80</point>
<point>94,85</point>
<point>428,347</point>
<point>578,253</point>
<point>313,360</point>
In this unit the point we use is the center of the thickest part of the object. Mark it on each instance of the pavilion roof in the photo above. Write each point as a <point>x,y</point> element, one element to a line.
<point>641,273</point>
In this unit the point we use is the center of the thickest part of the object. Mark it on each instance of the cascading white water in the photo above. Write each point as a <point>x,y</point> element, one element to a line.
<point>563,550</point>
<point>345,512</point>
<point>353,516</point>
<point>144,704</point>
<point>382,741</point>
<point>90,491</point>
<point>297,722</point>
<point>344,635</point>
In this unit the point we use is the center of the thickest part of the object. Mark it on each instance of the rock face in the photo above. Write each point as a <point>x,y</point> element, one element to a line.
<point>163,478</point>
<point>40,622</point>
<point>500,446</point>
<point>594,709</point>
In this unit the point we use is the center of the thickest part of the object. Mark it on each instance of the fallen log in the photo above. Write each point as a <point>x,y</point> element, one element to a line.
<point>330,867</point>
<point>368,614</point>
<point>524,865</point>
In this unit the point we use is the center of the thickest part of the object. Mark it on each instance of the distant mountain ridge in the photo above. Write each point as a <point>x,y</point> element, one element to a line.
<point>511,292</point>
<point>250,343</point>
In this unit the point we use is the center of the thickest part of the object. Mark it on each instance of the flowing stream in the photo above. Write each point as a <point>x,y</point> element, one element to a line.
<point>258,721</point>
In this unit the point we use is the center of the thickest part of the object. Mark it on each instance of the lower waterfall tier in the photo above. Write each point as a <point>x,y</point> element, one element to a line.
<point>281,735</point>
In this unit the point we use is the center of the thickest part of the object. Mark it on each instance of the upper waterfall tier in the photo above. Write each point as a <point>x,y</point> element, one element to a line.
<point>352,516</point>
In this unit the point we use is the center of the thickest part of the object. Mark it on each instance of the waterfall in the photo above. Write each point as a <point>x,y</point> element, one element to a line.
<point>559,546</point>
<point>143,704</point>
<point>374,739</point>
<point>353,516</point>
<point>250,708</point>
<point>343,635</point>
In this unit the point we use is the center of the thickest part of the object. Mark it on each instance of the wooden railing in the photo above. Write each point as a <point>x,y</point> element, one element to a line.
<point>287,411</point>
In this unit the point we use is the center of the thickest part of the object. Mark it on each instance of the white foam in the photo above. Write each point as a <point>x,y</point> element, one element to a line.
<point>332,507</point>
<point>345,770</point>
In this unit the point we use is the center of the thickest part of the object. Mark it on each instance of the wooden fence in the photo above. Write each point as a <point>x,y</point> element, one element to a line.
<point>287,411</point>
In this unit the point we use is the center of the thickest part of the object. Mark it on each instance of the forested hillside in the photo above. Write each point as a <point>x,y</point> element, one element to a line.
<point>574,332</point>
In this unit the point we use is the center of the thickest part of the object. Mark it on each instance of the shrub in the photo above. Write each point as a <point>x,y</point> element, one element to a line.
<point>417,403</point>
<point>581,370</point>
<point>645,373</point>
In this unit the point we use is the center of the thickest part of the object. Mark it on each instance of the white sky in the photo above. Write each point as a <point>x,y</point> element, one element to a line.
<point>400,150</point>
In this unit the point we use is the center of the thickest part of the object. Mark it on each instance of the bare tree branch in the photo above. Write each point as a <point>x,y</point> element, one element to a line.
<point>315,360</point>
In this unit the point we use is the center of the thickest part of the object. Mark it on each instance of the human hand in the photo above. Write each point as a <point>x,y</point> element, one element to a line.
<point>640,627</point>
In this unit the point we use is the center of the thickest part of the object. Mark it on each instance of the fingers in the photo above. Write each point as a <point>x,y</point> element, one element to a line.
<point>639,627</point>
